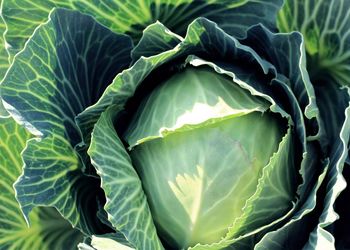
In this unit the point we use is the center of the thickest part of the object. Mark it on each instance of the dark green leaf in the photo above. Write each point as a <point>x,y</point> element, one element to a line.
<point>63,68</point>
<point>131,17</point>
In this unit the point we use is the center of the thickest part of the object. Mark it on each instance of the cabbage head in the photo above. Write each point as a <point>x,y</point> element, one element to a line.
<point>156,125</point>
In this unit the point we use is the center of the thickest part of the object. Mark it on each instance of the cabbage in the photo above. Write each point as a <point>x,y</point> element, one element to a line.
<point>174,125</point>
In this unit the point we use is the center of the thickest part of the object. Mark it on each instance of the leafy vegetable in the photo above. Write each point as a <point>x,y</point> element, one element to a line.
<point>47,229</point>
<point>174,125</point>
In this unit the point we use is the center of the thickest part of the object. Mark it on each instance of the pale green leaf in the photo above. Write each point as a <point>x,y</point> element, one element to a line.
<point>189,99</point>
<point>197,174</point>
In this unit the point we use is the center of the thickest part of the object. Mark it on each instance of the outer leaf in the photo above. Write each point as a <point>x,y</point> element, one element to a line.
<point>286,52</point>
<point>156,39</point>
<point>48,230</point>
<point>126,205</point>
<point>22,16</point>
<point>333,102</point>
<point>341,227</point>
<point>325,26</point>
<point>62,70</point>
<point>4,61</point>
<point>52,176</point>
<point>297,224</point>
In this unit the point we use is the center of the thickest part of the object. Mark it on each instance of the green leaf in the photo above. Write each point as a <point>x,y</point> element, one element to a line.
<point>277,185</point>
<point>297,225</point>
<point>156,39</point>
<point>131,17</point>
<point>100,243</point>
<point>48,230</point>
<point>324,25</point>
<point>310,158</point>
<point>63,68</point>
<point>335,105</point>
<point>203,37</point>
<point>52,167</point>
<point>126,204</point>
<point>104,242</point>
<point>189,99</point>
<point>286,52</point>
<point>4,61</point>
<point>184,175</point>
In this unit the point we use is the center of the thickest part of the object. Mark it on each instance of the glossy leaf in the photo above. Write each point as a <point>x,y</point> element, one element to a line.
<point>47,230</point>
<point>334,104</point>
<point>4,61</point>
<point>325,26</point>
<point>127,206</point>
<point>60,72</point>
<point>197,174</point>
<point>189,99</point>
<point>131,17</point>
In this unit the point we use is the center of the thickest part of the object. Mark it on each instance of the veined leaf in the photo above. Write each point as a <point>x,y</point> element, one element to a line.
<point>127,206</point>
<point>63,68</point>
<point>131,17</point>
<point>4,56</point>
<point>325,26</point>
<point>48,230</point>
<point>298,224</point>
<point>4,60</point>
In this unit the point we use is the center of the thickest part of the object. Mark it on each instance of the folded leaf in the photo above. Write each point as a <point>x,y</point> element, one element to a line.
<point>48,230</point>
<point>63,68</point>
<point>131,17</point>
<point>127,206</point>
